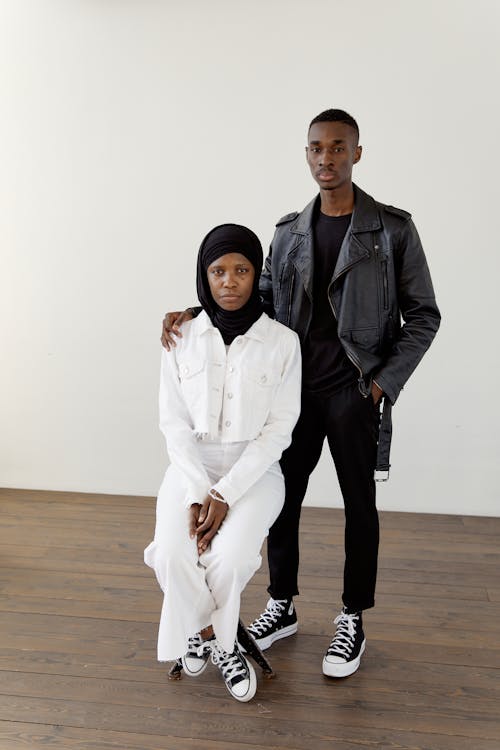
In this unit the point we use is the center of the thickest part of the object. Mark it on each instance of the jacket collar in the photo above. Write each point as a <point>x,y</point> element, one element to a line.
<point>355,247</point>
<point>258,331</point>
<point>365,217</point>
<point>202,324</point>
<point>303,224</point>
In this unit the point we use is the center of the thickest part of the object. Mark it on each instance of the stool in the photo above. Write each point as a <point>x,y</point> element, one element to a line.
<point>248,643</point>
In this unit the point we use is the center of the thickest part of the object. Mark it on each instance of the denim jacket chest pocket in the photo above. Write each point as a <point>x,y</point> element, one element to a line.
<point>265,376</point>
<point>193,376</point>
<point>259,384</point>
<point>190,367</point>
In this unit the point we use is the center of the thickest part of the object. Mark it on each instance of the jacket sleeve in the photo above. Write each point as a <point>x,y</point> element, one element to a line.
<point>419,311</point>
<point>176,425</point>
<point>276,433</point>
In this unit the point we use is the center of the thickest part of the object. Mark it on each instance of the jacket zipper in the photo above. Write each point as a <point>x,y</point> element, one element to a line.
<point>350,357</point>
<point>290,295</point>
<point>385,284</point>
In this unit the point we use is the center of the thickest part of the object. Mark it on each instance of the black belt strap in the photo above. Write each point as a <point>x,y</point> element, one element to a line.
<point>384,443</point>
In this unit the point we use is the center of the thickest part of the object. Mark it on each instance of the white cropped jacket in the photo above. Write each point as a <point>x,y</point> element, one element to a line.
<point>249,392</point>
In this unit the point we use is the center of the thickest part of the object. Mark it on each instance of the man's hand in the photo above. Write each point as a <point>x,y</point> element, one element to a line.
<point>377,393</point>
<point>172,327</point>
<point>210,519</point>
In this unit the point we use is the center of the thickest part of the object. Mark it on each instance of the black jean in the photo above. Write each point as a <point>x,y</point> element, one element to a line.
<point>350,423</point>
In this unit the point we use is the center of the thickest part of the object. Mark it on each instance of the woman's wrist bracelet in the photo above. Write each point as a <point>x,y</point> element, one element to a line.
<point>215,495</point>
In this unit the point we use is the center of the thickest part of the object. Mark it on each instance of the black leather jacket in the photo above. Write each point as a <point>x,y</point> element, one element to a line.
<point>381,292</point>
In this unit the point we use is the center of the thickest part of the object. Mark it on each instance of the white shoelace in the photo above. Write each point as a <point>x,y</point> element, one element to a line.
<point>230,665</point>
<point>273,611</point>
<point>343,640</point>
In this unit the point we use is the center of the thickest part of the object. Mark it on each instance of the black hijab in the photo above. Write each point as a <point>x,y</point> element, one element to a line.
<point>230,238</point>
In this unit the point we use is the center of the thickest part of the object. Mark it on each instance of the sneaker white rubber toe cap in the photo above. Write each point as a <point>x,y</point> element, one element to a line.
<point>193,665</point>
<point>245,689</point>
<point>335,666</point>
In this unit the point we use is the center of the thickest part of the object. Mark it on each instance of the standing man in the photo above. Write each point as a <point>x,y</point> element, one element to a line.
<point>349,275</point>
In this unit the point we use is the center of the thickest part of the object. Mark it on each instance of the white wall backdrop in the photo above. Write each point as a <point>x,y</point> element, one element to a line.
<point>128,128</point>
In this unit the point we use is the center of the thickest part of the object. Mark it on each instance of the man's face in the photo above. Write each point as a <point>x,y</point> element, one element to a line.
<point>331,152</point>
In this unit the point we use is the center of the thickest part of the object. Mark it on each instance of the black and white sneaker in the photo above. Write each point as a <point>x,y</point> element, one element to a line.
<point>238,673</point>
<point>346,649</point>
<point>196,658</point>
<point>278,620</point>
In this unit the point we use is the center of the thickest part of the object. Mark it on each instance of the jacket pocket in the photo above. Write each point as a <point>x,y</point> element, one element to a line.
<point>259,386</point>
<point>367,339</point>
<point>190,367</point>
<point>263,377</point>
<point>193,381</point>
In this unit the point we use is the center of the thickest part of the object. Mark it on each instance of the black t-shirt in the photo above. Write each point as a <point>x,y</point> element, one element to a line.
<point>326,367</point>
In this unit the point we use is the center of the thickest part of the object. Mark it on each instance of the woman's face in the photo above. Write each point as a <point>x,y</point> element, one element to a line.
<point>231,280</point>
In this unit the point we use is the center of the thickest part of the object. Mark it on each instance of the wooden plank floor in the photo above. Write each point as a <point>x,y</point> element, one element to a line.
<point>78,622</point>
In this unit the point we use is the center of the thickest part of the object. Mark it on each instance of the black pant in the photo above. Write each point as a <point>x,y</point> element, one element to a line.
<point>350,423</point>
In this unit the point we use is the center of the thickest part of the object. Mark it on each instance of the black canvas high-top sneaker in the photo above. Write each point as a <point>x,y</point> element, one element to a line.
<point>196,658</point>
<point>348,644</point>
<point>278,620</point>
<point>237,672</point>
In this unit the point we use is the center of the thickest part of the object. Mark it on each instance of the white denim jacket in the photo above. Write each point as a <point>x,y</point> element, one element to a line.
<point>249,392</point>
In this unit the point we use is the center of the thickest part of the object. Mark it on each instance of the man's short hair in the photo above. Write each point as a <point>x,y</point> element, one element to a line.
<point>336,115</point>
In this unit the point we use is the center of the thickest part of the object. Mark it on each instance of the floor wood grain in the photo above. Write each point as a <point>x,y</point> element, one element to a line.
<point>79,614</point>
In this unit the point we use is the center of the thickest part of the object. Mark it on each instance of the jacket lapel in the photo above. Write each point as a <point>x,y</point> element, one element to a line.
<point>302,254</point>
<point>358,244</point>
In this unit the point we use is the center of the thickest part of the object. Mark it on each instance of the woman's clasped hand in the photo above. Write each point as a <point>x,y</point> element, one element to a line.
<point>205,520</point>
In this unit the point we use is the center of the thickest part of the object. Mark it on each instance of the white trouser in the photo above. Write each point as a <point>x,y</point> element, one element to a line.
<point>205,590</point>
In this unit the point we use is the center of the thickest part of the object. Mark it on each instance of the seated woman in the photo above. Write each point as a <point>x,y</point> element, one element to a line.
<point>229,399</point>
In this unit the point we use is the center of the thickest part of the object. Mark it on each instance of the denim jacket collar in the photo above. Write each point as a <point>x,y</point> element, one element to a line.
<point>257,332</point>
